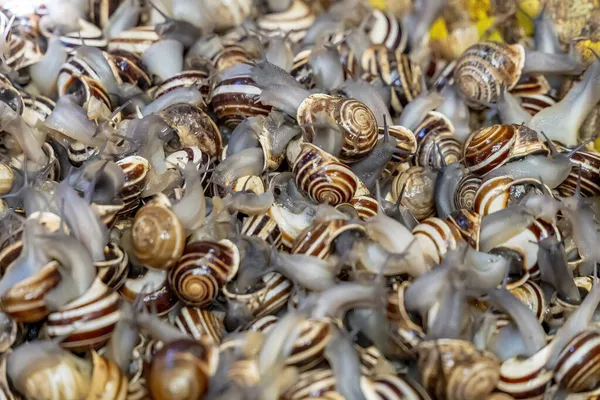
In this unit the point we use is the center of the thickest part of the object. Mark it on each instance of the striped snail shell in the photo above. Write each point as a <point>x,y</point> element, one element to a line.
<point>407,331</point>
<point>7,178</point>
<point>406,142</point>
<point>108,212</point>
<point>525,378</point>
<point>136,170</point>
<point>24,302</point>
<point>435,236</point>
<point>489,148</point>
<point>88,320</point>
<point>108,381</point>
<point>364,207</point>
<point>323,178</point>
<point>6,391</point>
<point>135,40</point>
<point>497,193</point>
<point>79,153</point>
<point>234,96</point>
<point>486,68</point>
<point>385,29</point>
<point>158,236</point>
<point>559,309</point>
<point>355,120</point>
<point>394,69</point>
<point>158,295</point>
<point>419,198</point>
<point>201,324</point>
<point>315,383</point>
<point>530,294</point>
<point>370,358</point>
<point>190,78</point>
<point>533,91</point>
<point>244,372</point>
<point>435,138</point>
<point>113,271</point>
<point>194,128</point>
<point>37,108</point>
<point>392,387</point>
<point>290,224</point>
<point>464,196</point>
<point>88,34</point>
<point>273,295</point>
<point>294,22</point>
<point>76,76</point>
<point>588,163</point>
<point>264,227</point>
<point>229,55</point>
<point>317,240</point>
<point>8,335</point>
<point>181,370</point>
<point>302,71</point>
<point>468,224</point>
<point>129,68</point>
<point>11,96</point>
<point>576,369</point>
<point>52,164</point>
<point>469,374</point>
<point>202,270</point>
<point>100,11</point>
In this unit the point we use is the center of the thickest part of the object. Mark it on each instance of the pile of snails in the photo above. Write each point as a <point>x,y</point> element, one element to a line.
<point>297,199</point>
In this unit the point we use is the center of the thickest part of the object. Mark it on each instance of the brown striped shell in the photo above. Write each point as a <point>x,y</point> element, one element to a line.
<point>294,22</point>
<point>534,93</point>
<point>313,383</point>
<point>135,40</point>
<point>114,269</point>
<point>435,138</point>
<point>181,370</point>
<point>79,153</point>
<point>407,332</point>
<point>469,374</point>
<point>87,34</point>
<point>77,76</point>
<point>136,170</point>
<point>435,236</point>
<point>234,97</point>
<point>108,382</point>
<point>154,283</point>
<point>355,120</point>
<point>559,309</point>
<point>158,236</point>
<point>37,108</point>
<point>485,69</point>
<point>290,224</point>
<point>318,239</point>
<point>108,213</point>
<point>88,320</point>
<point>406,142</point>
<point>274,294</point>
<point>530,294</point>
<point>394,69</point>
<point>189,78</point>
<point>489,148</point>
<point>202,270</point>
<point>361,207</point>
<point>464,196</point>
<point>392,387</point>
<point>419,184</point>
<point>100,10</point>
<point>386,29</point>
<point>308,350</point>
<point>323,178</point>
<point>194,128</point>
<point>576,369</point>
<point>589,164</point>
<point>525,378</point>
<point>201,324</point>
<point>499,192</point>
<point>7,178</point>
<point>129,68</point>
<point>6,391</point>
<point>264,227</point>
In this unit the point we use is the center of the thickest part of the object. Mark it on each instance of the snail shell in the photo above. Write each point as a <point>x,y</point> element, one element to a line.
<point>88,34</point>
<point>37,108</point>
<point>202,270</point>
<point>7,178</point>
<point>108,382</point>
<point>394,69</point>
<point>435,236</point>
<point>294,22</point>
<point>385,29</point>
<point>290,224</point>
<point>6,391</point>
<point>486,68</point>
<point>464,196</point>
<point>108,213</point>
<point>136,170</point>
<point>589,164</point>
<point>113,271</point>
<point>323,178</point>
<point>274,294</point>
<point>530,294</point>
<point>317,240</point>
<point>497,193</point>
<point>11,96</point>
<point>392,387</point>
<point>129,68</point>
<point>159,295</point>
<point>77,76</point>
<point>364,206</point>
<point>406,142</point>
<point>525,378</point>
<point>201,324</point>
<point>194,128</point>
<point>407,330</point>
<point>489,148</point>
<point>355,120</point>
<point>435,138</point>
<point>234,98</point>
<point>79,153</point>
<point>315,383</point>
<point>244,372</point>
<point>89,320</point>
<point>135,40</point>
<point>158,236</point>
<point>533,91</point>
<point>264,227</point>
<point>100,11</point>
<point>468,373</point>
<point>189,78</point>
<point>559,309</point>
<point>576,369</point>
<point>419,194</point>
<point>181,370</point>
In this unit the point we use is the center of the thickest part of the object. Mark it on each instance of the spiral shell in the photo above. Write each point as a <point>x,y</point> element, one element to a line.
<point>464,196</point>
<point>323,178</point>
<point>363,207</point>
<point>108,382</point>
<point>290,224</point>
<point>394,69</point>
<point>76,76</point>
<point>189,78</point>
<point>7,178</point>
<point>355,120</point>
<point>497,193</point>
<point>525,378</point>
<point>201,324</point>
<point>129,68</point>
<point>181,370</point>
<point>392,387</point>
<point>24,302</point>
<point>385,29</point>
<point>418,195</point>
<point>406,331</point>
<point>317,240</point>
<point>435,138</point>
<point>234,97</point>
<point>158,293</point>
<point>468,373</point>
<point>489,148</point>
<point>158,236</point>
<point>274,294</point>
<point>486,68</point>
<point>202,270</point>
<point>194,128</point>
<point>264,227</point>
<point>88,320</point>
<point>315,383</point>
<point>294,22</point>
<point>435,236</point>
<point>135,169</point>
<point>113,271</point>
<point>532,295</point>
<point>588,163</point>
<point>135,40</point>
<point>559,309</point>
<point>576,369</point>
<point>533,91</point>
<point>406,142</point>
<point>79,153</point>
<point>37,108</point>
